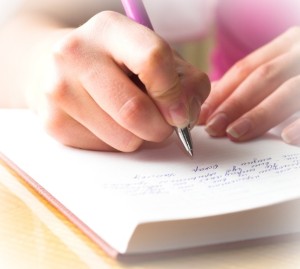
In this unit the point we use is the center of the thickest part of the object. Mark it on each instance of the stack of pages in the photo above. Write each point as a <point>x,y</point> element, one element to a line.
<point>158,198</point>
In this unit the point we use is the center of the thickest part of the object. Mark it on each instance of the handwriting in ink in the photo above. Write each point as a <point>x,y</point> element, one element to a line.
<point>210,167</point>
<point>208,176</point>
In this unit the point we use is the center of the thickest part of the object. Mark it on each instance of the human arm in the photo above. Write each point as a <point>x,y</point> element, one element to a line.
<point>80,80</point>
<point>23,25</point>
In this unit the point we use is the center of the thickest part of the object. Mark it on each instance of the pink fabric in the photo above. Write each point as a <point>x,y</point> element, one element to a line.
<point>245,25</point>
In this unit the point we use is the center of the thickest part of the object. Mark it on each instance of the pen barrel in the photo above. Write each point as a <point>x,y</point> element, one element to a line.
<point>136,11</point>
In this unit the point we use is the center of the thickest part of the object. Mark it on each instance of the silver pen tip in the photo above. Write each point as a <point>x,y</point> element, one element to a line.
<point>190,151</point>
<point>185,137</point>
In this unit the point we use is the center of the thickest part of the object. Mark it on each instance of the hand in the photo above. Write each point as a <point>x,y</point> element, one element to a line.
<point>258,93</point>
<point>116,84</point>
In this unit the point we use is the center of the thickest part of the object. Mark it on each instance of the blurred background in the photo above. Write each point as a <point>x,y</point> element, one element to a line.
<point>196,52</point>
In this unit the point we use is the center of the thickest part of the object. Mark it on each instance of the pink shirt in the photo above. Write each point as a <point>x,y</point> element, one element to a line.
<point>245,25</point>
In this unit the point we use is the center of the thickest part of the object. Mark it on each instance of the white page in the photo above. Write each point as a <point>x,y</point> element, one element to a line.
<point>113,192</point>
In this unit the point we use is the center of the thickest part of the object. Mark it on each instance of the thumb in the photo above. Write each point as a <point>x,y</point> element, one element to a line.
<point>178,89</point>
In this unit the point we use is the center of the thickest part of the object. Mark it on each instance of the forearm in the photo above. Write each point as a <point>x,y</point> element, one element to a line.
<point>28,35</point>
<point>19,39</point>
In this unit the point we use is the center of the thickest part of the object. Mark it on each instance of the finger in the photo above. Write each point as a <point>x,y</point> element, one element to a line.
<point>291,134</point>
<point>205,108</point>
<point>150,58</point>
<point>243,68</point>
<point>256,87</point>
<point>77,103</point>
<point>279,106</point>
<point>113,91</point>
<point>70,132</point>
<point>127,104</point>
<point>196,86</point>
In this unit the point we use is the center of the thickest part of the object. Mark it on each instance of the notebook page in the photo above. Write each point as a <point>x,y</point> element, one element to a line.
<point>159,182</point>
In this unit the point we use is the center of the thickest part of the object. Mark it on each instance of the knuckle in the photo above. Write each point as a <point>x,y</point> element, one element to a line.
<point>293,84</point>
<point>131,144</point>
<point>267,71</point>
<point>170,93</point>
<point>159,51</point>
<point>67,48</point>
<point>103,21</point>
<point>292,89</point>
<point>242,68</point>
<point>106,16</point>
<point>157,54</point>
<point>203,81</point>
<point>59,92</point>
<point>235,107</point>
<point>260,115</point>
<point>131,111</point>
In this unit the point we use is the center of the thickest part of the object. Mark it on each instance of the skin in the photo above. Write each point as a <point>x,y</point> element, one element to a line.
<point>257,93</point>
<point>92,91</point>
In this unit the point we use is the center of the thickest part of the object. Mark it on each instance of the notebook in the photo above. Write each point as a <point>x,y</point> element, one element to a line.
<point>158,198</point>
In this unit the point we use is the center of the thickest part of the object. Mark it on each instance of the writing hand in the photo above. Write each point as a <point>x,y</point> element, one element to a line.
<point>258,93</point>
<point>93,99</point>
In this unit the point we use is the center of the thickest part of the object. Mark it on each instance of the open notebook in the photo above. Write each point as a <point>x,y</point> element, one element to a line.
<point>159,198</point>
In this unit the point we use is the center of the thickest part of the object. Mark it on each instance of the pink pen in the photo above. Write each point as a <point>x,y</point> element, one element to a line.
<point>135,10</point>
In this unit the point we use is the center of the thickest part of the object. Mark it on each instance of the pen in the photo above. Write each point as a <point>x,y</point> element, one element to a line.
<point>135,10</point>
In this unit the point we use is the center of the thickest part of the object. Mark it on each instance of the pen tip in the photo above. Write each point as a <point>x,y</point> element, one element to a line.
<point>185,137</point>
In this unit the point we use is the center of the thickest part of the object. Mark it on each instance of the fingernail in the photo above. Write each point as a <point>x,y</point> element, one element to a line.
<point>217,125</point>
<point>179,115</point>
<point>204,114</point>
<point>239,128</point>
<point>291,135</point>
<point>195,105</point>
